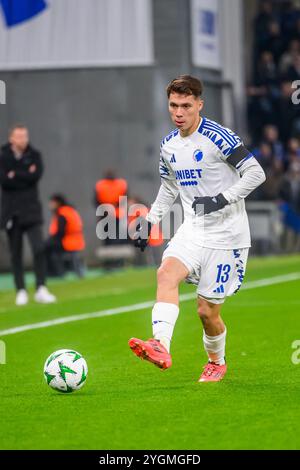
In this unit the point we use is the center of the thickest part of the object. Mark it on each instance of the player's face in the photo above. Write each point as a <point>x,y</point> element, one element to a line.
<point>184,111</point>
<point>19,139</point>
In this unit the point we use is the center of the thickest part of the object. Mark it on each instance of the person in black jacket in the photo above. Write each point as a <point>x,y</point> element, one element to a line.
<point>21,168</point>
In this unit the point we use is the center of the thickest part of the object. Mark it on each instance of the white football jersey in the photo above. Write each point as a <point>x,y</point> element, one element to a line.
<point>196,165</point>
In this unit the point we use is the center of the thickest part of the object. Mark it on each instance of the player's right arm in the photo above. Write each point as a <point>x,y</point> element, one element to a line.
<point>165,198</point>
<point>167,193</point>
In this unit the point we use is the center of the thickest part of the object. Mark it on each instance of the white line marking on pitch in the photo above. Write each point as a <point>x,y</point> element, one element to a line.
<point>141,306</point>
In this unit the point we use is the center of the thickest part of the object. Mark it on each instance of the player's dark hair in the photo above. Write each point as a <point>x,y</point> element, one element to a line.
<point>185,85</point>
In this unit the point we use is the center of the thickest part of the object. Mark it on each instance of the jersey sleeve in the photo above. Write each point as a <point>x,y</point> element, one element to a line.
<point>167,193</point>
<point>165,198</point>
<point>252,176</point>
<point>229,144</point>
<point>165,169</point>
<point>234,152</point>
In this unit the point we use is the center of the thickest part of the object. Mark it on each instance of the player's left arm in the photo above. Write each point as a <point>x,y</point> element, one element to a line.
<point>251,173</point>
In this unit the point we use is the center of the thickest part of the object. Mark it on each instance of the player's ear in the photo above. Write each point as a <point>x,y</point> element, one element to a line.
<point>201,104</point>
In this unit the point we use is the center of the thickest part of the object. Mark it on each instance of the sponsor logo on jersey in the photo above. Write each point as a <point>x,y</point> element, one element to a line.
<point>188,177</point>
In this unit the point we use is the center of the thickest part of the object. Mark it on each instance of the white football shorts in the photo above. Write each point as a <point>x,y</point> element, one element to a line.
<point>217,273</point>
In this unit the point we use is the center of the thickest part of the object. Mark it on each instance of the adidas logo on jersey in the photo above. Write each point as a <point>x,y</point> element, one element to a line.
<point>173,159</point>
<point>219,290</point>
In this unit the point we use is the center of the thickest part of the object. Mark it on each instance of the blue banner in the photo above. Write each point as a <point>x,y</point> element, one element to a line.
<point>47,34</point>
<point>18,11</point>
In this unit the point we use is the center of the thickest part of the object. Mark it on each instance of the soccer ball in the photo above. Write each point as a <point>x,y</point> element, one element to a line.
<point>65,370</point>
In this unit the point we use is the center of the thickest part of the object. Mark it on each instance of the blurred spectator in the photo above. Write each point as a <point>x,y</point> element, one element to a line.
<point>290,206</point>
<point>66,240</point>
<point>289,15</point>
<point>293,151</point>
<point>263,95</point>
<point>260,109</point>
<point>266,73</point>
<point>287,113</point>
<point>271,137</point>
<point>293,71</point>
<point>272,156</point>
<point>269,190</point>
<point>276,65</point>
<point>296,29</point>
<point>288,56</point>
<point>274,118</point>
<point>265,15</point>
<point>274,42</point>
<point>109,190</point>
<point>290,188</point>
<point>21,213</point>
<point>264,155</point>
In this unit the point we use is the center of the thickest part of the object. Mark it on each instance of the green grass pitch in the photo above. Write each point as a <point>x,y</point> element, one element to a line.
<point>130,404</point>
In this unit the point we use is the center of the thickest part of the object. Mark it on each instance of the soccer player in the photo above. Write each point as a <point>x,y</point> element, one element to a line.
<point>209,167</point>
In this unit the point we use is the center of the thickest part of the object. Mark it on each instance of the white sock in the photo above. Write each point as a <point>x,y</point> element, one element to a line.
<point>164,316</point>
<point>215,347</point>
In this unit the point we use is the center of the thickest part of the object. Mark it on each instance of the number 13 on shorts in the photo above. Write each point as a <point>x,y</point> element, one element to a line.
<point>222,273</point>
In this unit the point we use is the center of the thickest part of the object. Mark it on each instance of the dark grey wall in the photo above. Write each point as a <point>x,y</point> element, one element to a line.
<point>85,121</point>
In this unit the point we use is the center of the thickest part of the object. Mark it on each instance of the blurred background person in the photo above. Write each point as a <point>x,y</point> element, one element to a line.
<point>109,190</point>
<point>291,52</point>
<point>20,170</point>
<point>66,239</point>
<point>271,137</point>
<point>290,207</point>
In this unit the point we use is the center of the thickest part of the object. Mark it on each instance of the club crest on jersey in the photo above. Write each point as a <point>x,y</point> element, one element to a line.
<point>198,155</point>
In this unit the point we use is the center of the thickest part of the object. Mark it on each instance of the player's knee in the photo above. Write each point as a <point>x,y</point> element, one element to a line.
<point>206,311</point>
<point>204,315</point>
